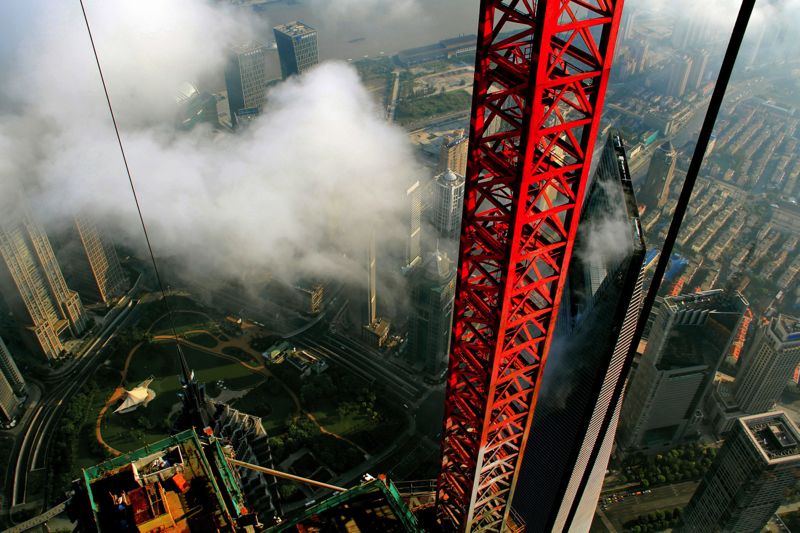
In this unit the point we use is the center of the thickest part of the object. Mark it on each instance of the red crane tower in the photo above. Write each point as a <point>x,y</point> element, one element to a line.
<point>540,79</point>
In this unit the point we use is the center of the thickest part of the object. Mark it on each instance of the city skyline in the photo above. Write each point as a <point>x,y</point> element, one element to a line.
<point>336,235</point>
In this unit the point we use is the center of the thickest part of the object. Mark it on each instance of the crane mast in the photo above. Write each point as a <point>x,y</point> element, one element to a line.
<point>540,79</point>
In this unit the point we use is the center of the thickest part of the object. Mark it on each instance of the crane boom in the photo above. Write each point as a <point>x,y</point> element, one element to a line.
<point>540,80</point>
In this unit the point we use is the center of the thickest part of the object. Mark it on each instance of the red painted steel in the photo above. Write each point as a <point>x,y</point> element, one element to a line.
<point>541,74</point>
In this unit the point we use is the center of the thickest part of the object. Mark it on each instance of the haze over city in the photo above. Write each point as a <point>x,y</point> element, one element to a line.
<point>399,265</point>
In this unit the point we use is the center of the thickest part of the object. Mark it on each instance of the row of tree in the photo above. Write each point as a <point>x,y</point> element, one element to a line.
<point>655,521</point>
<point>685,463</point>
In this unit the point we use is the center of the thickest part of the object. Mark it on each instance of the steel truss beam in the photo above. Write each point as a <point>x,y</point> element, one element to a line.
<point>540,79</point>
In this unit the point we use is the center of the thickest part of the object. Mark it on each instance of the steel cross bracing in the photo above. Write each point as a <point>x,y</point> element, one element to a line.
<point>541,74</point>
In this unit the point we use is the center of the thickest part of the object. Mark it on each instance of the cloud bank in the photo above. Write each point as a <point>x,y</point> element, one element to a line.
<point>294,195</point>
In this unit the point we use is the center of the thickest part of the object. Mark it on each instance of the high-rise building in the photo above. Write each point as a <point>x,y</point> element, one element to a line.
<point>679,76</point>
<point>628,23</point>
<point>746,483</point>
<point>453,154</point>
<point>246,79</point>
<point>768,365</point>
<point>432,286</point>
<point>448,203</point>
<point>90,262</point>
<point>655,188</point>
<point>414,241</point>
<point>692,29</point>
<point>32,284</point>
<point>297,47</point>
<point>12,385</point>
<point>687,343</point>
<point>577,410</point>
<point>699,69</point>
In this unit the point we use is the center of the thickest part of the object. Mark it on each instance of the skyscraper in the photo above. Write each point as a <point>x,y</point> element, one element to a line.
<point>687,342</point>
<point>679,76</point>
<point>32,284</point>
<point>12,385</point>
<point>246,79</point>
<point>453,154</point>
<point>448,202</point>
<point>414,242</point>
<point>432,287</point>
<point>698,71</point>
<point>91,263</point>
<point>297,47</point>
<point>768,365</point>
<point>577,411</point>
<point>746,483</point>
<point>655,188</point>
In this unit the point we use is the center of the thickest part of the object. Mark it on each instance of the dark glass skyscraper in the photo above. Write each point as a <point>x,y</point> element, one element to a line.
<point>578,406</point>
<point>245,80</point>
<point>655,189</point>
<point>297,47</point>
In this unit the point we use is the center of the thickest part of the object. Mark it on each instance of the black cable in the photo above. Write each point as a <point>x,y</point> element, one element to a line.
<point>737,36</point>
<point>181,356</point>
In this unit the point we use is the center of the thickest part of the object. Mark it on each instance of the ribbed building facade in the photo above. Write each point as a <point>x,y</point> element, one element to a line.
<point>746,484</point>
<point>33,285</point>
<point>100,272</point>
<point>578,408</point>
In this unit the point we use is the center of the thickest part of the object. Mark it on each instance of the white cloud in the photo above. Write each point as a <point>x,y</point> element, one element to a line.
<point>293,195</point>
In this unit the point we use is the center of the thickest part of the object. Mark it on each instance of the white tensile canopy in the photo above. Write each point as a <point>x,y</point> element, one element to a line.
<point>141,395</point>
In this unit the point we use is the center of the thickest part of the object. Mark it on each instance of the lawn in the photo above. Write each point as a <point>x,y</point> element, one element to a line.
<point>129,431</point>
<point>182,321</point>
<point>271,403</point>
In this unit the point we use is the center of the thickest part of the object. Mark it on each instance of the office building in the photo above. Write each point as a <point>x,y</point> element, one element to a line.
<point>453,154</point>
<point>246,80</point>
<point>679,76</point>
<point>699,70</point>
<point>432,286</point>
<point>414,241</point>
<point>687,343</point>
<point>746,483</point>
<point>768,365</point>
<point>90,262</point>
<point>33,285</point>
<point>579,402</point>
<point>692,29</point>
<point>12,385</point>
<point>655,188</point>
<point>448,203</point>
<point>376,329</point>
<point>297,47</point>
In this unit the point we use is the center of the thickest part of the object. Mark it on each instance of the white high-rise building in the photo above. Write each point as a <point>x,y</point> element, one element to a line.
<point>448,203</point>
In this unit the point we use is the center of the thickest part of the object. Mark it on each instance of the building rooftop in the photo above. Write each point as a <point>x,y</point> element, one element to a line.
<point>178,483</point>
<point>787,328</point>
<point>774,435</point>
<point>373,506</point>
<point>295,29</point>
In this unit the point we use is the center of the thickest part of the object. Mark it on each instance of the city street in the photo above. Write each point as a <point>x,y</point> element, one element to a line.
<point>665,498</point>
<point>30,450</point>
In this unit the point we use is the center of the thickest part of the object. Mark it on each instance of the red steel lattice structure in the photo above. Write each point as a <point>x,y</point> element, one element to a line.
<point>541,75</point>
